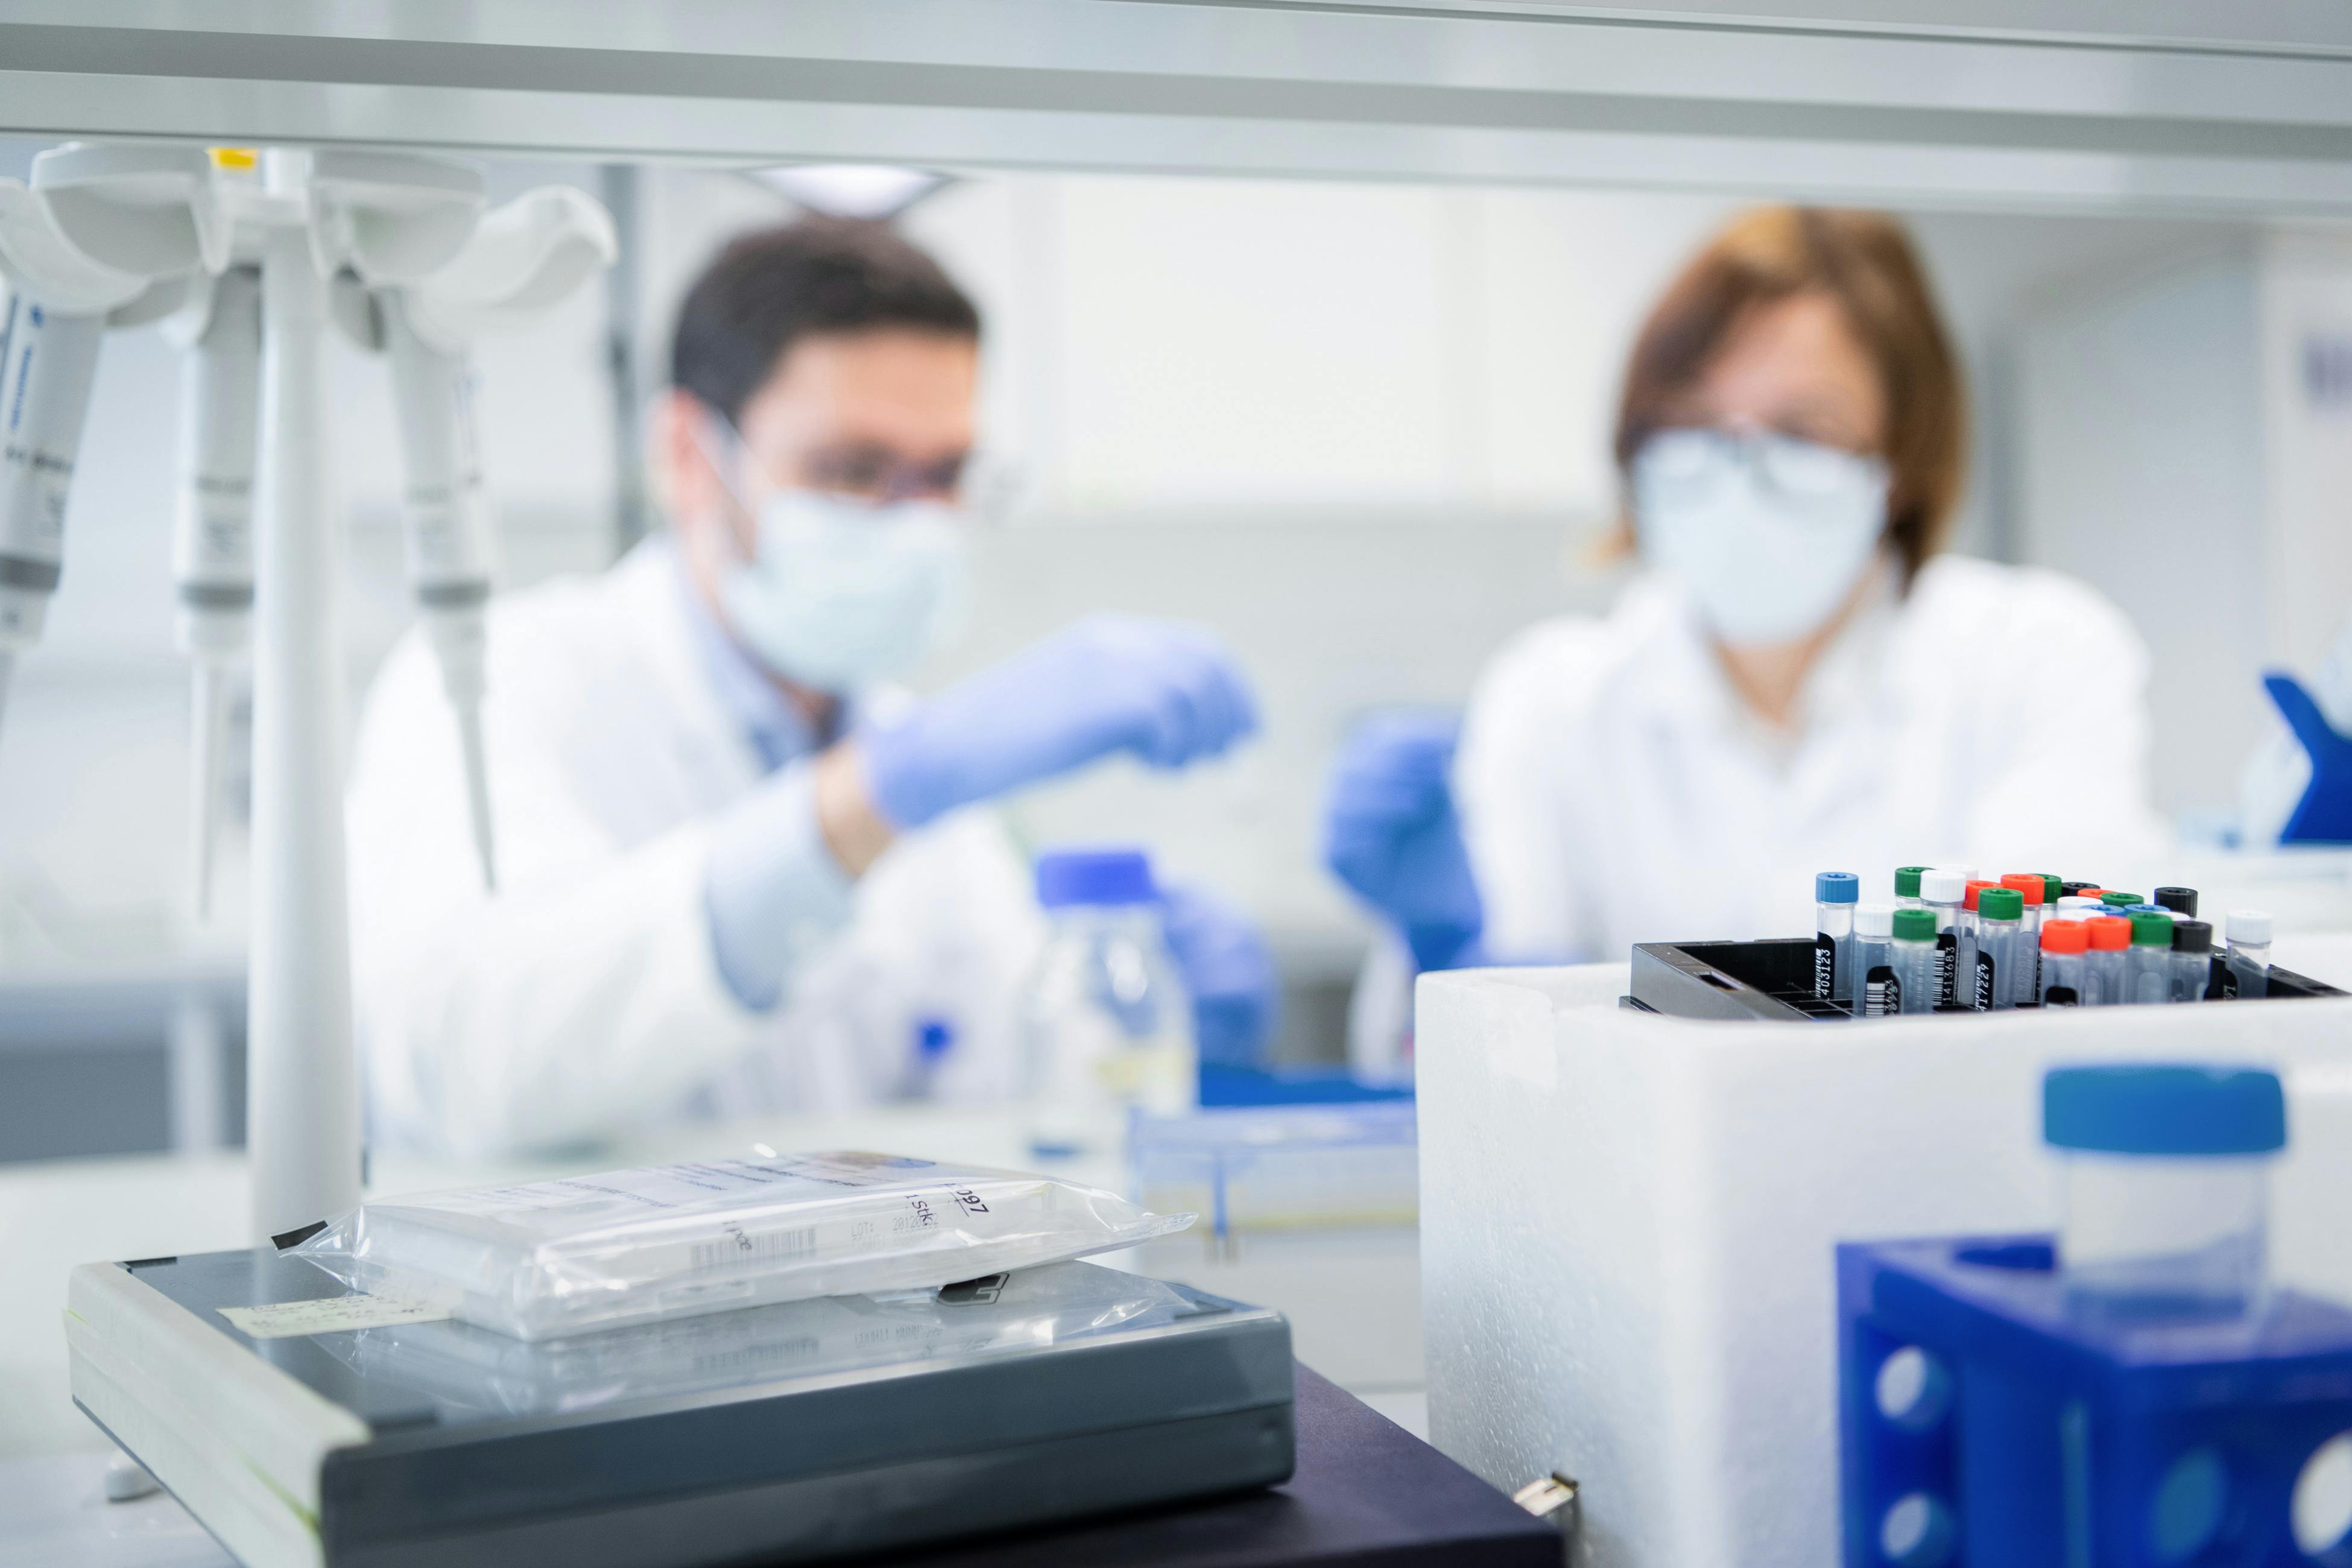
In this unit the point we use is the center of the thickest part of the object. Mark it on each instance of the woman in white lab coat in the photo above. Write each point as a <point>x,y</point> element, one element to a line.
<point>1800,679</point>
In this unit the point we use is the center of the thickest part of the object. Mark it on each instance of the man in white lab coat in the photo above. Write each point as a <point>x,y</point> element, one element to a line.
<point>739,872</point>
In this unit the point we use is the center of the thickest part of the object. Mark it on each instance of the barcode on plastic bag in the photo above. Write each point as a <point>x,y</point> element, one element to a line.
<point>736,1249</point>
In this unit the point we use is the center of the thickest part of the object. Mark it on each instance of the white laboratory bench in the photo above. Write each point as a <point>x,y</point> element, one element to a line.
<point>1353,1297</point>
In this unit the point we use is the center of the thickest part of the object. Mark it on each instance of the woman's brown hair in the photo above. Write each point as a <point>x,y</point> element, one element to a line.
<point>1864,262</point>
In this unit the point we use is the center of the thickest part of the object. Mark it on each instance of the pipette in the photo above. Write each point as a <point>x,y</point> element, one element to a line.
<point>56,312</point>
<point>524,259</point>
<point>212,544</point>
<point>450,536</point>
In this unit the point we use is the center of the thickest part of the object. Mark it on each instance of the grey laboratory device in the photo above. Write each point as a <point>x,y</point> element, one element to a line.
<point>785,1433</point>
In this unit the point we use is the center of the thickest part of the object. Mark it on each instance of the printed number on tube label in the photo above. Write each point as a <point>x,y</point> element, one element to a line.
<point>1824,966</point>
<point>1985,982</point>
<point>1947,959</point>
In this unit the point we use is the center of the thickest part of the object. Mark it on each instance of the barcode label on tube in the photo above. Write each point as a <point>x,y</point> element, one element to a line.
<point>1882,994</point>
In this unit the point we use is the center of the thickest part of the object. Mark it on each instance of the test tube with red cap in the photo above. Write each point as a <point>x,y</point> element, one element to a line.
<point>1964,981</point>
<point>2064,944</point>
<point>2103,972</point>
<point>2026,983</point>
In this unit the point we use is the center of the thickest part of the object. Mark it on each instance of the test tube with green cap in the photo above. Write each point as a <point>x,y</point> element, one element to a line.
<point>2000,921</point>
<point>1913,946</point>
<point>1907,887</point>
<point>2120,901</point>
<point>2147,971</point>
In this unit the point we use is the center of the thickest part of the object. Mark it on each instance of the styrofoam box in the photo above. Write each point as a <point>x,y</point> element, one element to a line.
<point>1627,1222</point>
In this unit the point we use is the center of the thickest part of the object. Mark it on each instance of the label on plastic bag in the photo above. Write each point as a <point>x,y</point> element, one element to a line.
<point>292,1319</point>
<point>694,1184</point>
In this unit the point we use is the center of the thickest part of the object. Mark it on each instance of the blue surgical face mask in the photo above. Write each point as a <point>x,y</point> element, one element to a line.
<point>843,594</point>
<point>1767,533</point>
<point>840,595</point>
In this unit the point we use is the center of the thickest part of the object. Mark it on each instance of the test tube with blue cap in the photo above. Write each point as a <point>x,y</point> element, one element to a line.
<point>1834,895</point>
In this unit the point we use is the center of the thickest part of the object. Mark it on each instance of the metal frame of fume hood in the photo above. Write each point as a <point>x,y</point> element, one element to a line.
<point>2191,105</point>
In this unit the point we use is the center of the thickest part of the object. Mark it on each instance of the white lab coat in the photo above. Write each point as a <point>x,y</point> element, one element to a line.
<point>583,999</point>
<point>1614,789</point>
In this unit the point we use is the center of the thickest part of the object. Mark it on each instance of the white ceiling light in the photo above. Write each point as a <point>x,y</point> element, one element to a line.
<point>851,190</point>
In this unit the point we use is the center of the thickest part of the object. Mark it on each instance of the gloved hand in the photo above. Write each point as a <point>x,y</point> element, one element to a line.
<point>1390,832</point>
<point>1164,692</point>
<point>1227,970</point>
<point>2323,814</point>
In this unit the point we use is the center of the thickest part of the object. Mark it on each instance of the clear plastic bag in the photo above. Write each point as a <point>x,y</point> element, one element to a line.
<point>582,1253</point>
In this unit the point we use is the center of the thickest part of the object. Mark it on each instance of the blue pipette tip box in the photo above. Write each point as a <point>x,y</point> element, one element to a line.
<point>1985,1423</point>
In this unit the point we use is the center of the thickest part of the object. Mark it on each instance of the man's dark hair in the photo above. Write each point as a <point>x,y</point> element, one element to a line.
<point>773,287</point>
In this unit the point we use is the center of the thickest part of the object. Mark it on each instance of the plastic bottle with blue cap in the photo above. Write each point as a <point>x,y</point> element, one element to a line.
<point>1107,1026</point>
<point>2164,1184</point>
<point>1834,895</point>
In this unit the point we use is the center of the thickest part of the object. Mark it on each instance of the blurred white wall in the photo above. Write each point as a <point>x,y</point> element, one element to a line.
<point>2188,445</point>
<point>1362,430</point>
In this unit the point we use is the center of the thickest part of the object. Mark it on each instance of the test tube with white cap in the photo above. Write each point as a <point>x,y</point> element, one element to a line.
<point>1834,895</point>
<point>2248,959</point>
<point>1877,991</point>
<point>1942,890</point>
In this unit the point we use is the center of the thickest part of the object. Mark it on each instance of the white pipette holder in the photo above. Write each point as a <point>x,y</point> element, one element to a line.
<point>122,234</point>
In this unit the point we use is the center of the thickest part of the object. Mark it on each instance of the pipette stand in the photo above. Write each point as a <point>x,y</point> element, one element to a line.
<point>2032,1436</point>
<point>302,1108</point>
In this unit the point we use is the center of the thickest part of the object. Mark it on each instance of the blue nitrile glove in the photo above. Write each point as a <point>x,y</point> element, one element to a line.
<point>1164,692</point>
<point>1390,832</point>
<point>1227,970</point>
<point>2323,814</point>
